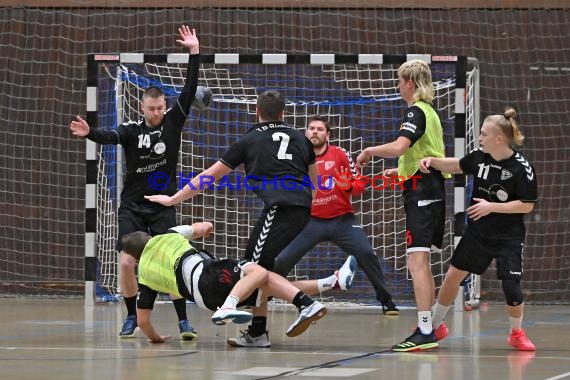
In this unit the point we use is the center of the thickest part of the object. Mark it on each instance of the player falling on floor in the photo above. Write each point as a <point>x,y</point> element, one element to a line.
<point>169,263</point>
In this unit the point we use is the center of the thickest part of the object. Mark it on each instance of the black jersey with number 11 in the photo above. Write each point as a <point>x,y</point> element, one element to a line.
<point>502,181</point>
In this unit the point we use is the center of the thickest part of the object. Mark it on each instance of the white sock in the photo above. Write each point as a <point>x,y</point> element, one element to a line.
<point>326,283</point>
<point>516,323</point>
<point>231,302</point>
<point>439,313</point>
<point>424,321</point>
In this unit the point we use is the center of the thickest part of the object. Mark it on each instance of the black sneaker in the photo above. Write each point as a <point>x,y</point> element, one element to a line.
<point>389,308</point>
<point>416,342</point>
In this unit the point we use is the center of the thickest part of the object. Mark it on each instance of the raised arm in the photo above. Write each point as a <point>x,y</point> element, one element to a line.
<point>189,39</point>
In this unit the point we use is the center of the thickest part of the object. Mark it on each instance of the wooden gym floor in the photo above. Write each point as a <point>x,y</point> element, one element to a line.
<point>49,339</point>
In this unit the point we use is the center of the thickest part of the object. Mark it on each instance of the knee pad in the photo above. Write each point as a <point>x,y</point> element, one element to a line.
<point>513,293</point>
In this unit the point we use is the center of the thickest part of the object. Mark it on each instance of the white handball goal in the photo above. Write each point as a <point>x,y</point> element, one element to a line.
<point>358,94</point>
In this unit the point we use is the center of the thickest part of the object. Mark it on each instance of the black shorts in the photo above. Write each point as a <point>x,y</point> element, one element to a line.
<point>217,280</point>
<point>147,218</point>
<point>474,254</point>
<point>424,205</point>
<point>273,231</point>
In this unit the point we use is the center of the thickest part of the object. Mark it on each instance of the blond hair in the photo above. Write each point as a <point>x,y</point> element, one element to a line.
<point>508,126</point>
<point>418,72</point>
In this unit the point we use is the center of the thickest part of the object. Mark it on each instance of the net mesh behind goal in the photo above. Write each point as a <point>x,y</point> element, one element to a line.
<point>363,105</point>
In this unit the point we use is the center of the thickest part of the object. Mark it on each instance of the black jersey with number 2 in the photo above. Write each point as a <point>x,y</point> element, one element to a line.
<point>276,157</point>
<point>502,181</point>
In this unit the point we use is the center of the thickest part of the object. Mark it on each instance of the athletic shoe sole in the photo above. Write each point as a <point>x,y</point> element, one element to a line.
<point>238,317</point>
<point>131,336</point>
<point>420,347</point>
<point>302,326</point>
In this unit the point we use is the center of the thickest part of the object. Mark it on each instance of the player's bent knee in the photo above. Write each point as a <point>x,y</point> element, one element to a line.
<point>513,292</point>
<point>257,270</point>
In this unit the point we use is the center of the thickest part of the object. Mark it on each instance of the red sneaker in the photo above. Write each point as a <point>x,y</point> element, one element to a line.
<point>441,332</point>
<point>520,341</point>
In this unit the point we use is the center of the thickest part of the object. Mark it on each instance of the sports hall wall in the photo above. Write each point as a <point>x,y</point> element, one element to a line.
<point>524,57</point>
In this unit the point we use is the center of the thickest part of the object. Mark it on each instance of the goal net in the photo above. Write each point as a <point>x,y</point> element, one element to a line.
<point>359,96</point>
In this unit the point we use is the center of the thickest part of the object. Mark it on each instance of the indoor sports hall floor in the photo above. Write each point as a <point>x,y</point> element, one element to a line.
<point>60,339</point>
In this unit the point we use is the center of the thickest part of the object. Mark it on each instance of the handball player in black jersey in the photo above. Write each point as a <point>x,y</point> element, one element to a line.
<point>279,163</point>
<point>504,190</point>
<point>150,146</point>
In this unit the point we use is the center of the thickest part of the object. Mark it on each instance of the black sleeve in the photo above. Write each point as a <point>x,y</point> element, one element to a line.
<point>146,297</point>
<point>189,90</point>
<point>469,162</point>
<point>414,124</point>
<point>312,155</point>
<point>112,136</point>
<point>103,136</point>
<point>526,190</point>
<point>235,155</point>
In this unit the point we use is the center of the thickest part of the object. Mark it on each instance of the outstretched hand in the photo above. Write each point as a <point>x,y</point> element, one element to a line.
<point>79,127</point>
<point>343,178</point>
<point>189,39</point>
<point>164,200</point>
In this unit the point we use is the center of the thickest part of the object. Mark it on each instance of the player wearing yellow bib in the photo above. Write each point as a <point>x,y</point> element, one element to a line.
<point>420,136</point>
<point>169,263</point>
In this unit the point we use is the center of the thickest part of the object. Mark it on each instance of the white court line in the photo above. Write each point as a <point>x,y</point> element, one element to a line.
<point>336,353</point>
<point>91,349</point>
<point>567,374</point>
<point>173,350</point>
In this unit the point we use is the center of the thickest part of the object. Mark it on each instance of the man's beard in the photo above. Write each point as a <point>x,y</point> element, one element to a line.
<point>318,143</point>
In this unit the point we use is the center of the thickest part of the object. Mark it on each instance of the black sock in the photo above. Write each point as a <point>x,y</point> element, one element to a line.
<point>180,306</point>
<point>302,300</point>
<point>131,304</point>
<point>258,326</point>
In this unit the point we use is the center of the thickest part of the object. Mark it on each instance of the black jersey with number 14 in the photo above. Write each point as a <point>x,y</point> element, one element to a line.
<point>151,154</point>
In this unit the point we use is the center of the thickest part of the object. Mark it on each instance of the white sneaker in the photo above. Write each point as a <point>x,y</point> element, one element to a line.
<point>221,316</point>
<point>246,340</point>
<point>345,274</point>
<point>307,316</point>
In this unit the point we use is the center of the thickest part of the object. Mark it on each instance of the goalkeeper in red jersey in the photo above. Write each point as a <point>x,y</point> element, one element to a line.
<point>332,215</point>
